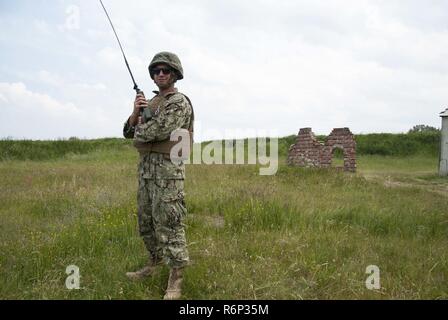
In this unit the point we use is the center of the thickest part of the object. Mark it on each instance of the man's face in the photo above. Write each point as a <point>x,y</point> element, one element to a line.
<point>163,75</point>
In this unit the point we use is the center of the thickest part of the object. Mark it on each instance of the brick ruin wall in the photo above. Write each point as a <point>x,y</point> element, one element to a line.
<point>309,152</point>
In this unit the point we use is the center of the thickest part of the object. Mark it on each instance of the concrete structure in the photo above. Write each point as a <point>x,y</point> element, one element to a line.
<point>309,152</point>
<point>443,159</point>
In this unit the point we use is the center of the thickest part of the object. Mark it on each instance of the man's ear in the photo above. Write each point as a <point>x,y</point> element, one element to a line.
<point>174,77</point>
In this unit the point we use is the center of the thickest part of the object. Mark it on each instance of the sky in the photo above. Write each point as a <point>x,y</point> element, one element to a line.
<point>252,68</point>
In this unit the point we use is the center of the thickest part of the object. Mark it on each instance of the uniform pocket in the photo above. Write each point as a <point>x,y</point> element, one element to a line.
<point>166,169</point>
<point>146,167</point>
<point>172,201</point>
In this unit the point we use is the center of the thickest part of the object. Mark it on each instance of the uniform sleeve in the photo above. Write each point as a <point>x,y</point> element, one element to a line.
<point>176,114</point>
<point>128,130</point>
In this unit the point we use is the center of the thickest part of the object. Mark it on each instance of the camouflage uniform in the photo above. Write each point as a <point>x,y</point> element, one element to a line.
<point>161,206</point>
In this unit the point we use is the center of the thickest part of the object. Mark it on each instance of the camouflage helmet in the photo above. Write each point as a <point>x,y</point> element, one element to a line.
<point>170,59</point>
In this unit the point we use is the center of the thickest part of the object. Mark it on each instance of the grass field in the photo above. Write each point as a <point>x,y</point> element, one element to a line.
<point>300,234</point>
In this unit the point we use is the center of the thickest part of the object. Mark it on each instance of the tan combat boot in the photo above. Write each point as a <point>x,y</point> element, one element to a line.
<point>174,290</point>
<point>146,271</point>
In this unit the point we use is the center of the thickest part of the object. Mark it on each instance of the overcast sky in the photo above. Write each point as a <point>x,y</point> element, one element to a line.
<point>272,66</point>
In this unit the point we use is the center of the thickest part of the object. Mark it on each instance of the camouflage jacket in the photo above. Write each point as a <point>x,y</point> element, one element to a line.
<point>170,112</point>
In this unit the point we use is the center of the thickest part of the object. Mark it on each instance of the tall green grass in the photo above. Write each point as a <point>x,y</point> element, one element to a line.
<point>299,234</point>
<point>383,144</point>
<point>403,144</point>
<point>47,149</point>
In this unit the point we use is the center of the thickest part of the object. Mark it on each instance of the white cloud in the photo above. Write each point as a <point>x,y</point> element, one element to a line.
<point>3,98</point>
<point>33,115</point>
<point>41,26</point>
<point>17,95</point>
<point>50,78</point>
<point>369,65</point>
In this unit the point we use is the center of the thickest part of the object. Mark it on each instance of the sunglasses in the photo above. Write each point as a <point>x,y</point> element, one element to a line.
<point>156,71</point>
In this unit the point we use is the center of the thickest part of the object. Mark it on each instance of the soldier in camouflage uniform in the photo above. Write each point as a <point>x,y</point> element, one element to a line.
<point>161,206</point>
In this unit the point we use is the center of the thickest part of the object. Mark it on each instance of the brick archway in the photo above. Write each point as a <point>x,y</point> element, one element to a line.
<point>309,152</point>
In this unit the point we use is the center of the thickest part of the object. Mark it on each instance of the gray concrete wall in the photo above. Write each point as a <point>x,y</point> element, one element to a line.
<point>443,166</point>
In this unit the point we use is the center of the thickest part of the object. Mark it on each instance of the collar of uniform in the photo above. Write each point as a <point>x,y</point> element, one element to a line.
<point>166,94</point>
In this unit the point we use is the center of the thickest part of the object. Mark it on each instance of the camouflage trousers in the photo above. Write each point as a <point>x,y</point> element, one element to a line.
<point>161,210</point>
